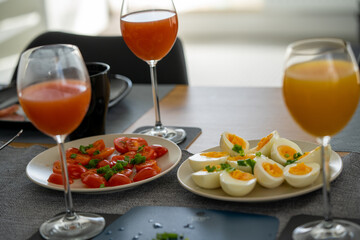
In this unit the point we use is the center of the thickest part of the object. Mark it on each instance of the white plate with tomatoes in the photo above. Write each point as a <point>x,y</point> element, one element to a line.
<point>41,167</point>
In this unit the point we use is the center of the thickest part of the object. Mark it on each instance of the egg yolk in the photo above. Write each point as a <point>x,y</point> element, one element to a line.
<point>236,140</point>
<point>214,154</point>
<point>300,169</point>
<point>273,169</point>
<point>264,141</point>
<point>286,151</point>
<point>236,158</point>
<point>240,175</point>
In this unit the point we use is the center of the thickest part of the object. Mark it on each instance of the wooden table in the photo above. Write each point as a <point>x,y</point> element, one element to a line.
<point>251,113</point>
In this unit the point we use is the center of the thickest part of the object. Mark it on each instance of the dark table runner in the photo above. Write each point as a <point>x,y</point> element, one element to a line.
<point>119,117</point>
<point>25,205</point>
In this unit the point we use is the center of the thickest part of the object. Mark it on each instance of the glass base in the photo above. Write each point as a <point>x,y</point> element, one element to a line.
<point>176,135</point>
<point>335,230</point>
<point>83,226</point>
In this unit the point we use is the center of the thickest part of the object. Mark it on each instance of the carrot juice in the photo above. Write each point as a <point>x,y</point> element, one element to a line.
<point>56,107</point>
<point>322,95</point>
<point>150,35</point>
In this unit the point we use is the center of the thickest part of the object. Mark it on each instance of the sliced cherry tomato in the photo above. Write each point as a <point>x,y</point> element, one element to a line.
<point>88,172</point>
<point>106,152</point>
<point>94,180</point>
<point>116,158</point>
<point>134,143</point>
<point>75,170</point>
<point>98,145</point>
<point>103,163</point>
<point>57,178</point>
<point>130,154</point>
<point>147,163</point>
<point>127,172</point>
<point>119,179</point>
<point>120,144</point>
<point>73,155</point>
<point>144,173</point>
<point>147,152</point>
<point>57,167</point>
<point>159,150</point>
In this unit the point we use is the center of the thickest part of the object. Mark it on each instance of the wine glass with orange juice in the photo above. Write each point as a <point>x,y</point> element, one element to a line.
<point>54,91</point>
<point>321,91</point>
<point>149,29</point>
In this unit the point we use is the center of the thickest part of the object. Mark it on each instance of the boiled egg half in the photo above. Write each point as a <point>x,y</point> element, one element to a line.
<point>283,150</point>
<point>229,140</point>
<point>200,160</point>
<point>269,173</point>
<point>206,178</point>
<point>265,144</point>
<point>300,174</point>
<point>237,183</point>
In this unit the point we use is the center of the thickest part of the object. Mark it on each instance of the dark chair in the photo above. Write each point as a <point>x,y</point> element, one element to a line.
<point>113,51</point>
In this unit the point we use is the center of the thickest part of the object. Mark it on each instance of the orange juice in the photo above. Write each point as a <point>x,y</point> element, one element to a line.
<point>150,35</point>
<point>56,107</point>
<point>321,95</point>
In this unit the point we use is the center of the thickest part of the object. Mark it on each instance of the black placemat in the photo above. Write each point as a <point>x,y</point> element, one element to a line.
<point>192,133</point>
<point>298,220</point>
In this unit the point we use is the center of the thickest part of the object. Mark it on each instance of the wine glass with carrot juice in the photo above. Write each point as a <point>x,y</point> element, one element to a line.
<point>54,91</point>
<point>321,91</point>
<point>149,29</point>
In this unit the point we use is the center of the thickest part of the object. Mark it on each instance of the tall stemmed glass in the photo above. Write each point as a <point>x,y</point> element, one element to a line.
<point>149,29</point>
<point>54,90</point>
<point>321,90</point>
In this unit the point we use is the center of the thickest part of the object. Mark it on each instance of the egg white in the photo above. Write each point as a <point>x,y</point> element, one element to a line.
<point>313,156</point>
<point>198,162</point>
<point>205,179</point>
<point>300,181</point>
<point>234,163</point>
<point>227,146</point>
<point>236,187</point>
<point>263,177</point>
<point>276,156</point>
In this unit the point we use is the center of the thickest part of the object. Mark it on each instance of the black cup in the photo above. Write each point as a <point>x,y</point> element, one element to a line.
<point>95,118</point>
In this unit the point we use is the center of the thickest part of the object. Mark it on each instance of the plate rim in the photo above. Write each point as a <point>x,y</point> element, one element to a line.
<point>302,191</point>
<point>177,155</point>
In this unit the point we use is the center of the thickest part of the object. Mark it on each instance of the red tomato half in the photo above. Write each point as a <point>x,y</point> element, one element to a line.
<point>148,152</point>
<point>88,172</point>
<point>134,143</point>
<point>106,152</point>
<point>116,158</point>
<point>119,179</point>
<point>148,163</point>
<point>94,180</point>
<point>127,172</point>
<point>75,170</point>
<point>144,173</point>
<point>56,178</point>
<point>159,150</point>
<point>57,167</point>
<point>120,144</point>
<point>73,155</point>
<point>98,145</point>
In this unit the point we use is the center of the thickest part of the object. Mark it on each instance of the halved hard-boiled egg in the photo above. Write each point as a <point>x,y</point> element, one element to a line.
<point>208,177</point>
<point>237,183</point>
<point>269,173</point>
<point>200,160</point>
<point>241,162</point>
<point>312,156</point>
<point>283,150</point>
<point>301,174</point>
<point>228,141</point>
<point>265,144</point>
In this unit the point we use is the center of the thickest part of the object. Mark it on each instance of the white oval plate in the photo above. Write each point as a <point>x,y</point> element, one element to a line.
<point>40,167</point>
<point>259,194</point>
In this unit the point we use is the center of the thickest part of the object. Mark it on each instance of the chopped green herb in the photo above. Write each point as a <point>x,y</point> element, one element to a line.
<point>102,185</point>
<point>138,158</point>
<point>109,174</point>
<point>169,236</point>
<point>287,155</point>
<point>92,163</point>
<point>84,148</point>
<point>297,155</point>
<point>127,158</point>
<point>288,162</point>
<point>210,169</point>
<point>251,163</point>
<point>118,167</point>
<point>141,148</point>
<point>241,163</point>
<point>230,169</point>
<point>73,155</point>
<point>96,152</point>
<point>258,154</point>
<point>224,166</point>
<point>237,148</point>
<point>103,169</point>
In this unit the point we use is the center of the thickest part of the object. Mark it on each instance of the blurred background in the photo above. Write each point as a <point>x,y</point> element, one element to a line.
<point>226,42</point>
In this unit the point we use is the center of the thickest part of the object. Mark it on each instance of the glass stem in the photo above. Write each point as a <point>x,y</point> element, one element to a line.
<point>153,76</point>
<point>70,214</point>
<point>325,160</point>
